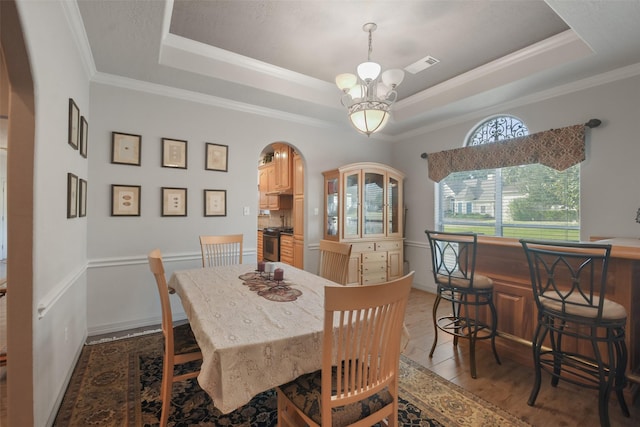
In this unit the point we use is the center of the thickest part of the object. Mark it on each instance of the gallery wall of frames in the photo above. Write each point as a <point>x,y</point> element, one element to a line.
<point>126,149</point>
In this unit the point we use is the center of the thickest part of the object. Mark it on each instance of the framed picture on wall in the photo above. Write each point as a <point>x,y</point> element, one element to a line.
<point>74,124</point>
<point>125,200</point>
<point>215,202</point>
<point>125,148</point>
<point>174,201</point>
<point>84,136</point>
<point>174,153</point>
<point>216,157</point>
<point>82,198</point>
<point>72,195</point>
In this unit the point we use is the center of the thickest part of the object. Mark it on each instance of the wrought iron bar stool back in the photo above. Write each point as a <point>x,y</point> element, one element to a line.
<point>453,257</point>
<point>585,330</point>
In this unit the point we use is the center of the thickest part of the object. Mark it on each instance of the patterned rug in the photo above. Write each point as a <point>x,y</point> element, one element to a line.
<point>117,384</point>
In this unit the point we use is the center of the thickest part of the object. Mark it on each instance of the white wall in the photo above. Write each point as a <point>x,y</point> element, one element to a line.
<point>609,175</point>
<point>121,291</point>
<point>60,254</point>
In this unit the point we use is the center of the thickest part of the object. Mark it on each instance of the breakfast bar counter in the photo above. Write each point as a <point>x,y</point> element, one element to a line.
<point>503,260</point>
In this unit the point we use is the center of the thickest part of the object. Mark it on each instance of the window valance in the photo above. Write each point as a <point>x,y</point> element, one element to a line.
<point>556,148</point>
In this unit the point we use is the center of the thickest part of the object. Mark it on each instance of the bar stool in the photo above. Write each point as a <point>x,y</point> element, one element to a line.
<point>454,258</point>
<point>569,285</point>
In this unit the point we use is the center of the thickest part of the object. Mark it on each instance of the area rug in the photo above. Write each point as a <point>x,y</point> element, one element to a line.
<point>117,384</point>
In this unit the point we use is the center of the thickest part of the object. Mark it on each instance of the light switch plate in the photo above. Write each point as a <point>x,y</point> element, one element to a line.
<point>246,210</point>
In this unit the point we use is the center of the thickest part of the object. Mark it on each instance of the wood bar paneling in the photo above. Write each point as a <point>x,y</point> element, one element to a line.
<point>504,261</point>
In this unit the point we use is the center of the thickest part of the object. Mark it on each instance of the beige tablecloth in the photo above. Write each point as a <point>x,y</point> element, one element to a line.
<point>251,344</point>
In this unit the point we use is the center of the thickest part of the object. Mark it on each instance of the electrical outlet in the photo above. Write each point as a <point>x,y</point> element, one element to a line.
<point>316,211</point>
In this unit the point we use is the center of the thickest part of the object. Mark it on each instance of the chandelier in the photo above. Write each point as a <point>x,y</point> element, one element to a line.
<point>369,95</point>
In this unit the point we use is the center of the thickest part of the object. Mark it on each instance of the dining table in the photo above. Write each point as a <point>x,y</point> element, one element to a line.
<point>255,333</point>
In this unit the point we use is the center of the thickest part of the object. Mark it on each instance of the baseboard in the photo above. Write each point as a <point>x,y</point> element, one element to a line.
<point>117,329</point>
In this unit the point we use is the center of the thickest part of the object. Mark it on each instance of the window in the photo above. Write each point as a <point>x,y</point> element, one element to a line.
<point>530,201</point>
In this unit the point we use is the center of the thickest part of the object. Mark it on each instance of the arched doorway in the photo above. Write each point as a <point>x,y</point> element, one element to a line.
<point>281,225</point>
<point>20,167</point>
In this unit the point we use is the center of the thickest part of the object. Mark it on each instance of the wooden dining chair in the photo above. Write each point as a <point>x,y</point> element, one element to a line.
<point>362,329</point>
<point>221,250</point>
<point>334,261</point>
<point>180,345</point>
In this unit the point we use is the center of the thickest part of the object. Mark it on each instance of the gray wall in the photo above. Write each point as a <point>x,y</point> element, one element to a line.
<point>121,293</point>
<point>609,175</point>
<point>60,244</point>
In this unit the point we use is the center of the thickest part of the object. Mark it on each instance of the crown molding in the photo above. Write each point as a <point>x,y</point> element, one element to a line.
<point>200,98</point>
<point>72,13</point>
<point>566,89</point>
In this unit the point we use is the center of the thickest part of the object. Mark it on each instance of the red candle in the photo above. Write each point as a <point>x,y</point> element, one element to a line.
<point>278,274</point>
<point>260,266</point>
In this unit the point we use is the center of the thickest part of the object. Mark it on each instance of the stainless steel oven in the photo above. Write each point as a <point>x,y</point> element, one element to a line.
<point>271,244</point>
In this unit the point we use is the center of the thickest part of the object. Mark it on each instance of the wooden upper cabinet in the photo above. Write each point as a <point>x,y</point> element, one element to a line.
<point>263,186</point>
<point>269,199</point>
<point>282,159</point>
<point>298,175</point>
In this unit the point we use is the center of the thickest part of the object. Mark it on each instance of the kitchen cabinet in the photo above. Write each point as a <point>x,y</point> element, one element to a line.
<point>283,175</point>
<point>298,211</point>
<point>286,248</point>
<point>363,206</point>
<point>269,199</point>
<point>260,245</point>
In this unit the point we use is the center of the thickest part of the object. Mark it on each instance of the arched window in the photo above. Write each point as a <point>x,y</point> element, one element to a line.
<point>532,201</point>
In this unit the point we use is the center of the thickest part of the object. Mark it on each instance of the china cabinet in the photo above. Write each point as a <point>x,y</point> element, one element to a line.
<point>363,206</point>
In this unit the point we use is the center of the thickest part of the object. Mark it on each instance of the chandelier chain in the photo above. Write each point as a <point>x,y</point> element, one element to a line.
<point>370,46</point>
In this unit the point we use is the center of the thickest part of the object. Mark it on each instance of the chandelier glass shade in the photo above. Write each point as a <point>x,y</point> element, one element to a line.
<point>368,96</point>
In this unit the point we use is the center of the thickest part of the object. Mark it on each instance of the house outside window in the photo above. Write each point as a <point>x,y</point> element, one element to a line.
<point>527,201</point>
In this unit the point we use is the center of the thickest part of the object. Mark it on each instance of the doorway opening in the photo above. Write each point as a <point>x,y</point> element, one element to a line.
<point>281,209</point>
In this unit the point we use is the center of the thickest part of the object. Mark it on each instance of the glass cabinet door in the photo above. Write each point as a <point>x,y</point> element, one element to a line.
<point>351,205</point>
<point>373,203</point>
<point>332,203</point>
<point>394,203</point>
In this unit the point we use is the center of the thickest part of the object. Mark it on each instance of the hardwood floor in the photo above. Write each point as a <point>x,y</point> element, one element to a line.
<point>507,385</point>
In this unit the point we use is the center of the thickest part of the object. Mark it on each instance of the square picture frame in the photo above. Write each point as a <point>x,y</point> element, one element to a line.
<point>82,198</point>
<point>174,201</point>
<point>215,202</point>
<point>72,195</point>
<point>216,157</point>
<point>174,153</point>
<point>126,148</point>
<point>125,200</point>
<point>84,136</point>
<point>74,124</point>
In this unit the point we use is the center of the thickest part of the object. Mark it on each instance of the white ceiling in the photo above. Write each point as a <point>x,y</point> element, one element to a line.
<point>280,57</point>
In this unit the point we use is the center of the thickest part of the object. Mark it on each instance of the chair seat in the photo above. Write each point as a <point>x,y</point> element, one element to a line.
<point>183,340</point>
<point>305,393</point>
<point>610,310</point>
<point>479,281</point>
